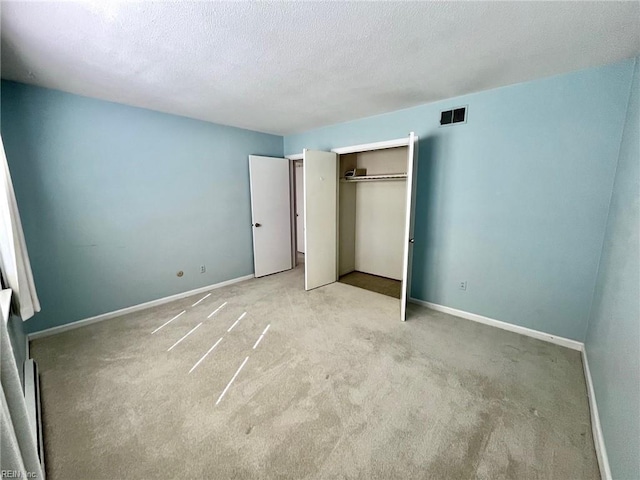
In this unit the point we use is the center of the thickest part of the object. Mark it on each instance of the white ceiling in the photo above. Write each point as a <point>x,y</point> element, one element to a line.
<point>288,67</point>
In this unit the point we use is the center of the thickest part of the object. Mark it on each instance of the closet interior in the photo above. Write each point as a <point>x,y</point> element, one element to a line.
<point>372,206</point>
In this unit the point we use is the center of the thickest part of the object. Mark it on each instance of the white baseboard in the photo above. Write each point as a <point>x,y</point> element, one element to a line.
<point>547,337</point>
<point>153,303</point>
<point>596,428</point>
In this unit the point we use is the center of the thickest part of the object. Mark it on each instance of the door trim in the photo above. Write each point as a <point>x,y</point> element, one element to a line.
<point>367,147</point>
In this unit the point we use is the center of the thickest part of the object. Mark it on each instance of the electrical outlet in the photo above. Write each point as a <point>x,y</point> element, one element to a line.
<point>203,269</point>
<point>463,285</point>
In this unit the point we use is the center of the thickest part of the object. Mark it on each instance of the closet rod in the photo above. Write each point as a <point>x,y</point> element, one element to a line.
<point>369,178</point>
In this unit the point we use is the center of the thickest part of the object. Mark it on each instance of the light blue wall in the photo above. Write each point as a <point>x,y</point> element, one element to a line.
<point>515,201</point>
<point>613,337</point>
<point>115,200</point>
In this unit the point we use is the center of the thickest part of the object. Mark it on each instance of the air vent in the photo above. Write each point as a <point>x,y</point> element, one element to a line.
<point>455,115</point>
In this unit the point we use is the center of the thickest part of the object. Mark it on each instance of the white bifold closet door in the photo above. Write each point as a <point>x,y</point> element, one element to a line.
<point>270,214</point>
<point>320,172</point>
<point>412,155</point>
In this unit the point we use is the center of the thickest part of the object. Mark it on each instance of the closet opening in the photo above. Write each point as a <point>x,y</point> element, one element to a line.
<point>358,216</point>
<point>372,203</point>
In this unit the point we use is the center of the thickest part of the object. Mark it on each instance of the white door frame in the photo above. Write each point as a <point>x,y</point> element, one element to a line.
<point>367,147</point>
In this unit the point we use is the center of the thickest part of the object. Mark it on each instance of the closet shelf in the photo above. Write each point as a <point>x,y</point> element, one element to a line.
<point>371,178</point>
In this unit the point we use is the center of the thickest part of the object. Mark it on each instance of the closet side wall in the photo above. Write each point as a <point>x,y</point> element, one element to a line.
<point>347,234</point>
<point>347,218</point>
<point>380,219</point>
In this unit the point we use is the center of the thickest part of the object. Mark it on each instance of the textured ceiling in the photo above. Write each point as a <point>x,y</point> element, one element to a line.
<point>289,67</point>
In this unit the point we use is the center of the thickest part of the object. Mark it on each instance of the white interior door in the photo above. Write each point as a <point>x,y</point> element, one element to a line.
<point>320,172</point>
<point>412,164</point>
<point>270,214</point>
<point>299,206</point>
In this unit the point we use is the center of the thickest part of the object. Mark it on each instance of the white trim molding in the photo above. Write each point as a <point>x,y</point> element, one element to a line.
<point>596,427</point>
<point>135,308</point>
<point>366,147</point>
<point>547,337</point>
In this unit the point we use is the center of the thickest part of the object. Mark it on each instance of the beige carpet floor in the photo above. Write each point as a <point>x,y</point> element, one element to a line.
<point>336,388</point>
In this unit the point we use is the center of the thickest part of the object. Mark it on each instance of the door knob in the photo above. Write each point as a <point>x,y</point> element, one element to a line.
<point>258,225</point>
<point>411,240</point>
